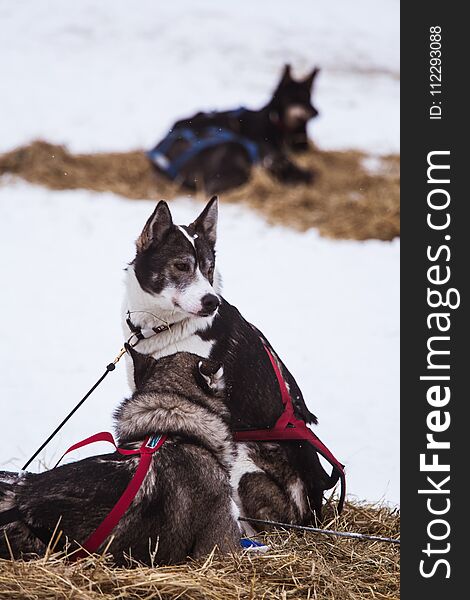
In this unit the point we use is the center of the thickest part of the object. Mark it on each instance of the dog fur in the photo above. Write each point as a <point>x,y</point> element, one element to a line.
<point>281,481</point>
<point>184,506</point>
<point>278,128</point>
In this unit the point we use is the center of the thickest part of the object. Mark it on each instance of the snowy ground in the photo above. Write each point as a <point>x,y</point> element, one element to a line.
<point>110,75</point>
<point>330,309</point>
<point>105,76</point>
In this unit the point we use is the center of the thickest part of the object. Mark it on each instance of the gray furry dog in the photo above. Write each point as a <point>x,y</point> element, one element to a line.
<point>184,506</point>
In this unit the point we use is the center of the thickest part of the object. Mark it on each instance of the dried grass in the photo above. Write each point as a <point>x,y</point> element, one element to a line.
<point>346,201</point>
<point>304,566</point>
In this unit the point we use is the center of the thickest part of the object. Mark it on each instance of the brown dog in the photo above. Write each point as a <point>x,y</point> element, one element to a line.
<point>184,506</point>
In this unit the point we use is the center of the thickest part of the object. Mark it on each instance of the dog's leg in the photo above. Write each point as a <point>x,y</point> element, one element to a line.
<point>17,539</point>
<point>283,169</point>
<point>263,498</point>
<point>220,528</point>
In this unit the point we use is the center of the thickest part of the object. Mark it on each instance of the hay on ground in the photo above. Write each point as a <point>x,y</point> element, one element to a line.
<point>348,200</point>
<point>303,566</point>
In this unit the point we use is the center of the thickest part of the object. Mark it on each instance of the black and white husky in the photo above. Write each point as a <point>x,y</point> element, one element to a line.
<point>172,286</point>
<point>184,506</point>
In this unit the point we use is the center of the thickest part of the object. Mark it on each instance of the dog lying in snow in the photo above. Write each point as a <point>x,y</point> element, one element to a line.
<point>184,506</point>
<point>172,285</point>
<point>215,151</point>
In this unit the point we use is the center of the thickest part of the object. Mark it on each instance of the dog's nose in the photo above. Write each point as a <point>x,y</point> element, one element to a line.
<point>209,303</point>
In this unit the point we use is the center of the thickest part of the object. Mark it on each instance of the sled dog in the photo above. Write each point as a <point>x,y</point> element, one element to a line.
<point>184,506</point>
<point>174,289</point>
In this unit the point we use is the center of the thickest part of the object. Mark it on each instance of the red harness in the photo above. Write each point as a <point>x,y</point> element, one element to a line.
<point>289,427</point>
<point>150,445</point>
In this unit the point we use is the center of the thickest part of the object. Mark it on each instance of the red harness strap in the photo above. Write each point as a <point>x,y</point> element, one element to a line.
<point>150,445</point>
<point>289,427</point>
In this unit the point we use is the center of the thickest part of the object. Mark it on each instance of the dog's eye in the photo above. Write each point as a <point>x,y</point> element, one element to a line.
<point>183,266</point>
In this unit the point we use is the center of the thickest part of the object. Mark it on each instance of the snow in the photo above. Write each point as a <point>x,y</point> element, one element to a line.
<point>105,76</point>
<point>328,307</point>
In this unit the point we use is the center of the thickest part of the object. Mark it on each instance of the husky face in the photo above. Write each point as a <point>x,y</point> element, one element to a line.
<point>175,264</point>
<point>293,106</point>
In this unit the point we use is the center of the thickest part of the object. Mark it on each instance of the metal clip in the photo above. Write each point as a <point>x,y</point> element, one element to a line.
<point>122,351</point>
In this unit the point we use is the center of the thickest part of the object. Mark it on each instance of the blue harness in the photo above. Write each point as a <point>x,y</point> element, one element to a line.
<point>212,136</point>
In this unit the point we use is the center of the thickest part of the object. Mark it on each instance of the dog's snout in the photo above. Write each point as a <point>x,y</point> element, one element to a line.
<point>209,303</point>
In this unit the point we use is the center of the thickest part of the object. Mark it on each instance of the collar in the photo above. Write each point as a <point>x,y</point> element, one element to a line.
<point>143,333</point>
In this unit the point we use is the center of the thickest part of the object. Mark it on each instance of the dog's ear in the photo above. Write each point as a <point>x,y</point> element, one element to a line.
<point>308,81</point>
<point>157,226</point>
<point>286,74</point>
<point>212,373</point>
<point>143,366</point>
<point>206,223</point>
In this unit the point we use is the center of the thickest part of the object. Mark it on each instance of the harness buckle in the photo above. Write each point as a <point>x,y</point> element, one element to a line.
<point>153,441</point>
